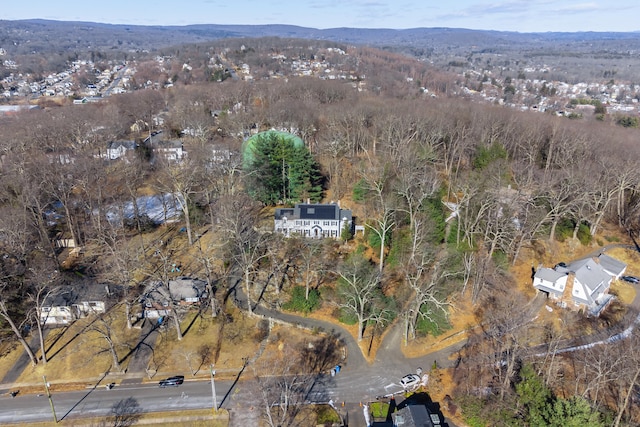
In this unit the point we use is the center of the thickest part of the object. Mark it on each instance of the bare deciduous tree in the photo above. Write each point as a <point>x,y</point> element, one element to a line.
<point>359,288</point>
<point>283,386</point>
<point>105,327</point>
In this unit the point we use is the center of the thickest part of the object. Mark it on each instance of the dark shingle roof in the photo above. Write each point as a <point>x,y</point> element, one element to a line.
<point>314,212</point>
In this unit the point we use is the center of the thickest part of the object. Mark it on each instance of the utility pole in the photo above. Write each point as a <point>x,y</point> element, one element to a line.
<point>213,388</point>
<point>53,410</point>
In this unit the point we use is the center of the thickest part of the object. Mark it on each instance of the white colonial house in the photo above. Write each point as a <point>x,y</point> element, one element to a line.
<point>583,284</point>
<point>313,220</point>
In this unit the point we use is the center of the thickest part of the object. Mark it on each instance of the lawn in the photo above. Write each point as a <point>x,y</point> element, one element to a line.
<point>80,352</point>
<point>201,344</point>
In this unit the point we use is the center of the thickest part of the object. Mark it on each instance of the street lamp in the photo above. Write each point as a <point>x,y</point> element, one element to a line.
<point>213,388</point>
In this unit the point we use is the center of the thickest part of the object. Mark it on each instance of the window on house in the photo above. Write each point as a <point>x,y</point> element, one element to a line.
<point>311,211</point>
<point>316,222</point>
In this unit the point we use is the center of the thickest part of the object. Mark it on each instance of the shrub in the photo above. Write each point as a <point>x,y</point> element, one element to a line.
<point>347,317</point>
<point>360,191</point>
<point>326,415</point>
<point>472,411</point>
<point>299,303</point>
<point>501,259</point>
<point>628,121</point>
<point>436,323</point>
<point>346,234</point>
<point>486,155</point>
<point>436,211</point>
<point>564,229</point>
<point>374,240</point>
<point>379,409</point>
<point>584,234</point>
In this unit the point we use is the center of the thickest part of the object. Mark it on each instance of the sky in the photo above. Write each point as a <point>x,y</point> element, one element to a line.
<point>501,15</point>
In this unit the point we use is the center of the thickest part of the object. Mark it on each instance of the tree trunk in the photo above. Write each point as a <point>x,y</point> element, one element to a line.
<point>187,221</point>
<point>42,347</point>
<point>127,312</point>
<point>247,290</point>
<point>382,238</point>
<point>176,322</point>
<point>114,354</point>
<point>14,328</point>
<point>552,233</point>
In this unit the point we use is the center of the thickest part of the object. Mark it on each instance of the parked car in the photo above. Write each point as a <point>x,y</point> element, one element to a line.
<point>409,381</point>
<point>631,279</point>
<point>172,381</point>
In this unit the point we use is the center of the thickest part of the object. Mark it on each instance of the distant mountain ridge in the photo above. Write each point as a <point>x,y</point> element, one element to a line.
<point>38,34</point>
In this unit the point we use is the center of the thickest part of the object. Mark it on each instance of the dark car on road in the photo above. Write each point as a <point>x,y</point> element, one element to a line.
<point>172,381</point>
<point>631,279</point>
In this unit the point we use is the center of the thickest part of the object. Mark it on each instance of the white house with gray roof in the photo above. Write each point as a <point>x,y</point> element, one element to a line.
<point>118,149</point>
<point>313,220</point>
<point>583,283</point>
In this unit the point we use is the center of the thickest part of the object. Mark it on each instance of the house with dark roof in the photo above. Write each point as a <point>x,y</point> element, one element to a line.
<point>313,220</point>
<point>582,284</point>
<point>415,416</point>
<point>169,149</point>
<point>68,304</point>
<point>159,299</point>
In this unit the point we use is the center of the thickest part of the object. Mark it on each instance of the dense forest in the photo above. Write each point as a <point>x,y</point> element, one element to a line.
<point>451,194</point>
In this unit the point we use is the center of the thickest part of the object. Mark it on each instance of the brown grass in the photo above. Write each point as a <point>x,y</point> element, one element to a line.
<point>78,352</point>
<point>11,351</point>
<point>238,342</point>
<point>462,319</point>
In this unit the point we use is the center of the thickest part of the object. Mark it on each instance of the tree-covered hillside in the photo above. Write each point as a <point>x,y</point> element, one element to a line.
<point>452,196</point>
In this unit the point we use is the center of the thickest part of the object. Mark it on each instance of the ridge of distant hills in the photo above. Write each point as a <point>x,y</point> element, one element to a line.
<point>36,35</point>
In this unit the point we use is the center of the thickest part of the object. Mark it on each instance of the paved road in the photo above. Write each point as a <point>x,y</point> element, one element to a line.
<point>99,401</point>
<point>358,382</point>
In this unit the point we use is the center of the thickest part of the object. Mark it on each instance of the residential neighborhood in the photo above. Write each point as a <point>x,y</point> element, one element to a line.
<point>271,230</point>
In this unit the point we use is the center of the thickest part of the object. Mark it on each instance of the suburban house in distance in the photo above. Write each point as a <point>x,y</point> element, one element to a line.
<point>167,149</point>
<point>118,149</point>
<point>582,284</point>
<point>313,220</point>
